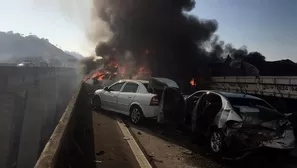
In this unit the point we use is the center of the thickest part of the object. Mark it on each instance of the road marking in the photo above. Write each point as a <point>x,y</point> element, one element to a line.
<point>139,155</point>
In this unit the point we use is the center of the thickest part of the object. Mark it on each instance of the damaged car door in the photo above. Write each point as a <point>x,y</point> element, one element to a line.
<point>205,111</point>
<point>110,95</point>
<point>126,96</point>
<point>172,105</point>
<point>171,100</point>
<point>190,103</point>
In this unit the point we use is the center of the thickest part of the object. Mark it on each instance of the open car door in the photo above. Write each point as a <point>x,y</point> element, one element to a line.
<point>172,102</point>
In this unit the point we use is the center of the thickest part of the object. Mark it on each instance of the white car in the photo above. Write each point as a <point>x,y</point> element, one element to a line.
<point>138,99</point>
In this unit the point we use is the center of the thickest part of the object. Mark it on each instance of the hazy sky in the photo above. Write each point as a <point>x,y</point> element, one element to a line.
<point>268,26</point>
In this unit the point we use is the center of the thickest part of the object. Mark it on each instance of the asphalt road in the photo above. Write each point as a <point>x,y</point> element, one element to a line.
<point>264,158</point>
<point>112,150</point>
<point>111,147</point>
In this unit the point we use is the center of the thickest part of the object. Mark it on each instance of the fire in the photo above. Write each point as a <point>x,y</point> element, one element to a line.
<point>114,70</point>
<point>99,75</point>
<point>142,72</point>
<point>193,82</point>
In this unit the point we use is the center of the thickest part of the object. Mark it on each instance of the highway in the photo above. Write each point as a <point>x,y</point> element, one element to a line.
<point>111,146</point>
<point>163,148</point>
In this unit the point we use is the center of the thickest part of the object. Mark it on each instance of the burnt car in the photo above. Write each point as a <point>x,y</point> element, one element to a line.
<point>236,122</point>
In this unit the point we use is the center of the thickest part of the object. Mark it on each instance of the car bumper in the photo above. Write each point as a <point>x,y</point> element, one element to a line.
<point>150,111</point>
<point>285,142</point>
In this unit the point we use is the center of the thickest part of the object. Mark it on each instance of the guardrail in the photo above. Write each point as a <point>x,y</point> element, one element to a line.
<point>71,144</point>
<point>276,86</point>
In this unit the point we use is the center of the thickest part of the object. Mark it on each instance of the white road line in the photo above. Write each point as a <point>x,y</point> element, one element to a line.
<point>139,155</point>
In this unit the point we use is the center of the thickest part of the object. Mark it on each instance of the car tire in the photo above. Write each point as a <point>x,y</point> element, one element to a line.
<point>136,114</point>
<point>96,103</point>
<point>216,142</point>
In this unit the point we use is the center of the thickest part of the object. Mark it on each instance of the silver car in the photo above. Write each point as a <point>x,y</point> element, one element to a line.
<point>235,122</point>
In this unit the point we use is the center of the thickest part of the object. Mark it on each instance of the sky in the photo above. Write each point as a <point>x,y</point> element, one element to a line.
<point>267,26</point>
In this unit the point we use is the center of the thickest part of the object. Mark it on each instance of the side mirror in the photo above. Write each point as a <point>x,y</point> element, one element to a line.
<point>106,89</point>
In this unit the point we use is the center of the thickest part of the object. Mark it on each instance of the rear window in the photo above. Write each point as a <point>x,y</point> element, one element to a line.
<point>235,101</point>
<point>145,85</point>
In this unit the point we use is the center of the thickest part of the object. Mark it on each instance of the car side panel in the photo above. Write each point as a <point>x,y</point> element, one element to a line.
<point>123,102</point>
<point>143,101</point>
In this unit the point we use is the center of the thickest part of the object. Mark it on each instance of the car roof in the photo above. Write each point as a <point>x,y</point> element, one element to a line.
<point>168,82</point>
<point>232,94</point>
<point>237,95</point>
<point>131,80</point>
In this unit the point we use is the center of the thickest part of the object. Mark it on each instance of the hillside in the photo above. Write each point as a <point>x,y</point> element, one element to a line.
<point>74,54</point>
<point>15,48</point>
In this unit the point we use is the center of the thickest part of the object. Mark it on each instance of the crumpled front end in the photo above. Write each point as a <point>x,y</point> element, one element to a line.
<point>252,138</point>
<point>285,141</point>
<point>248,131</point>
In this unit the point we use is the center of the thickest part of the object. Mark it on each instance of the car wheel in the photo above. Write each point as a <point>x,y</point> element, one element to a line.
<point>96,103</point>
<point>216,142</point>
<point>136,114</point>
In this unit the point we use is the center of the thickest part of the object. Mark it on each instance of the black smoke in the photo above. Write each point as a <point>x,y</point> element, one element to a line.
<point>173,37</point>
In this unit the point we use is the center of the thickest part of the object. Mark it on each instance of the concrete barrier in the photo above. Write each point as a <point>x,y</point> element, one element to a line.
<point>31,102</point>
<point>72,142</point>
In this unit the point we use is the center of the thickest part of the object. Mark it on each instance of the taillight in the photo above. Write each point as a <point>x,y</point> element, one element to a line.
<point>154,101</point>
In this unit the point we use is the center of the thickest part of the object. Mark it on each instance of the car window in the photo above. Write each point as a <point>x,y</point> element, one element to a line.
<point>196,96</point>
<point>208,99</point>
<point>116,87</point>
<point>146,85</point>
<point>130,87</point>
<point>213,98</point>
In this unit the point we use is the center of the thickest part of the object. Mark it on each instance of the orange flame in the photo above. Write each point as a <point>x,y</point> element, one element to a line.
<point>114,69</point>
<point>193,82</point>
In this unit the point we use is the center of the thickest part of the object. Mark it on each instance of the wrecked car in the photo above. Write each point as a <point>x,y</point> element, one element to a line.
<point>236,122</point>
<point>138,99</point>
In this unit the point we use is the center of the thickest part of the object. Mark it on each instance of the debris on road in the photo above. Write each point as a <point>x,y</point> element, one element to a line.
<point>188,152</point>
<point>126,138</point>
<point>97,161</point>
<point>100,153</point>
<point>165,154</point>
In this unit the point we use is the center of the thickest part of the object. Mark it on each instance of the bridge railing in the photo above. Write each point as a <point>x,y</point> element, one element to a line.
<point>274,86</point>
<point>32,101</point>
<point>72,142</point>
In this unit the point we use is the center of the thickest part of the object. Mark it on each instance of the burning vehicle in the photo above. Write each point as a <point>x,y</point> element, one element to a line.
<point>112,72</point>
<point>236,123</point>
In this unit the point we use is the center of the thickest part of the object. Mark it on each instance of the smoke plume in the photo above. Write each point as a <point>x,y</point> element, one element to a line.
<point>159,33</point>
